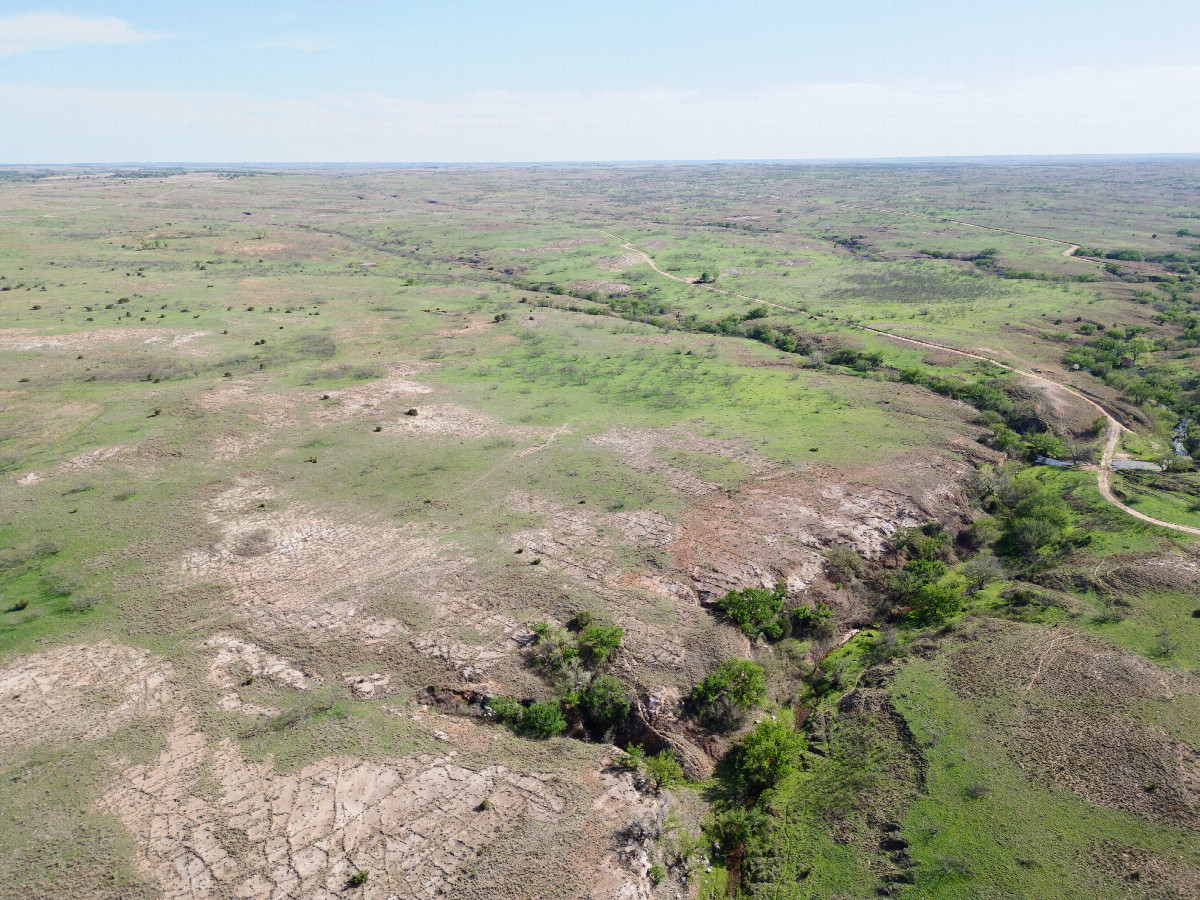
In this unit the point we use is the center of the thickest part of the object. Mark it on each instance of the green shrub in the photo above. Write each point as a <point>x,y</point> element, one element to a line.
<point>930,541</point>
<point>359,878</point>
<point>663,770</point>
<point>938,601</point>
<point>742,681</point>
<point>657,873</point>
<point>506,710</point>
<point>543,719</point>
<point>556,647</point>
<point>914,576</point>
<point>632,757</point>
<point>605,702</point>
<point>981,570</point>
<point>599,641</point>
<point>771,751</point>
<point>814,619</point>
<point>737,825</point>
<point>1039,519</point>
<point>844,564</point>
<point>756,610</point>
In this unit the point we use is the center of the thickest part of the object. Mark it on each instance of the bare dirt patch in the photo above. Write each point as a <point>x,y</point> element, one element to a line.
<point>26,339</point>
<point>619,263</point>
<point>1172,571</point>
<point>647,450</point>
<point>292,568</point>
<point>345,403</point>
<point>1152,876</point>
<point>80,691</point>
<point>603,285</point>
<point>417,824</point>
<point>231,446</point>
<point>587,547</point>
<point>265,248</point>
<point>1056,406</point>
<point>182,342</point>
<point>783,526</point>
<point>496,637</point>
<point>235,658</point>
<point>210,823</point>
<point>568,539</point>
<point>282,410</point>
<point>92,459</point>
<point>452,419</point>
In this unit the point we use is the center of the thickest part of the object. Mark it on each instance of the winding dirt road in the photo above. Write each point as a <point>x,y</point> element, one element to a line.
<point>1112,436</point>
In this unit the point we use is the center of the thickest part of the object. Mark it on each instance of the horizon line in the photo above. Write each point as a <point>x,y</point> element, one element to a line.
<point>975,159</point>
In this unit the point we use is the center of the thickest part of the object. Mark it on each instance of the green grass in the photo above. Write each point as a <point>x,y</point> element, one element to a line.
<point>1159,626</point>
<point>990,846</point>
<point>1167,505</point>
<point>54,837</point>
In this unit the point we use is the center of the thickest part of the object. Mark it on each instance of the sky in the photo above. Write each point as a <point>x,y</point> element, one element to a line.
<point>532,81</point>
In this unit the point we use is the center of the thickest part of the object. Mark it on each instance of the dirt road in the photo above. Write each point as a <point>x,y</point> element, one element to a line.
<point>1112,436</point>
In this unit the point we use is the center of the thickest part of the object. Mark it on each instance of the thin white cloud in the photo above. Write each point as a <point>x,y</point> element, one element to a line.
<point>28,32</point>
<point>304,44</point>
<point>1066,111</point>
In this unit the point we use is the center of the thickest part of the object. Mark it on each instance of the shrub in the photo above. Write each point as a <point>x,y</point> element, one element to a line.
<point>632,757</point>
<point>756,610</point>
<point>1043,443</point>
<point>844,564</point>
<point>1165,644</point>
<point>981,570</point>
<point>915,575</point>
<point>657,873</point>
<point>1039,518</point>
<point>84,602</point>
<point>543,719</point>
<point>505,710</point>
<point>938,601</point>
<point>771,751</point>
<point>736,825</point>
<point>743,682</point>
<point>556,648</point>
<point>977,789</point>
<point>814,618</point>
<point>359,878</point>
<point>663,770</point>
<point>605,702</point>
<point>929,541</point>
<point>599,641</point>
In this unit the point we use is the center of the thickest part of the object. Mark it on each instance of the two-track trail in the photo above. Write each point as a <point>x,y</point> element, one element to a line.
<point>1113,434</point>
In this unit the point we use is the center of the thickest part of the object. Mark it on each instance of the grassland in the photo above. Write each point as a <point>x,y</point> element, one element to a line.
<point>294,463</point>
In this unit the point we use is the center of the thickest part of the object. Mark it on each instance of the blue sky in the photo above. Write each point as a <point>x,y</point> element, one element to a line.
<point>464,81</point>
